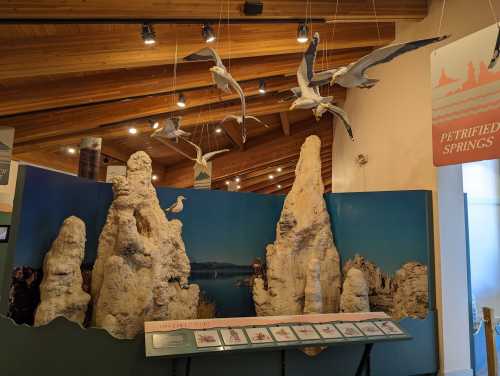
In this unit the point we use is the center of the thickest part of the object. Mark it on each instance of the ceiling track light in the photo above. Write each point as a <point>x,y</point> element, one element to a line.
<point>262,87</point>
<point>302,33</point>
<point>155,124</point>
<point>207,33</point>
<point>181,102</point>
<point>148,34</point>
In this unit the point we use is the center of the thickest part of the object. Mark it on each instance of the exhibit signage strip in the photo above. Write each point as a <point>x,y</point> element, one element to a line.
<point>191,337</point>
<point>466,100</point>
<point>6,141</point>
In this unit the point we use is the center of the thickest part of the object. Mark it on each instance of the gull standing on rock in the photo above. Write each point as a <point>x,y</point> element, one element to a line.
<point>171,129</point>
<point>201,158</point>
<point>177,206</point>
<point>309,97</point>
<point>354,75</point>
<point>221,77</point>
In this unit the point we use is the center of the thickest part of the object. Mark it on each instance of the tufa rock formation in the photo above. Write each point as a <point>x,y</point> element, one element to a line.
<point>61,292</point>
<point>405,295</point>
<point>141,271</point>
<point>355,293</point>
<point>303,272</point>
<point>411,298</point>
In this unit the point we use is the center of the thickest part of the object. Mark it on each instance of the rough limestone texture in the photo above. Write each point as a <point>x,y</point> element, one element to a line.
<point>411,298</point>
<point>141,271</point>
<point>61,292</point>
<point>380,285</point>
<point>355,293</point>
<point>303,271</point>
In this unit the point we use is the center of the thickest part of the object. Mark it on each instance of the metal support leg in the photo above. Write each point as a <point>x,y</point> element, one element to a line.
<point>188,366</point>
<point>364,365</point>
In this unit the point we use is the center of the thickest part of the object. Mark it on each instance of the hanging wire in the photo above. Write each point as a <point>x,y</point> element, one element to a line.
<point>218,27</point>
<point>174,81</point>
<point>441,18</point>
<point>333,40</point>
<point>229,34</point>
<point>376,19</point>
<point>494,13</point>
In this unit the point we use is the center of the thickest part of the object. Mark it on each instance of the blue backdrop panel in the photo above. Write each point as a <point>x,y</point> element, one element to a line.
<point>232,228</point>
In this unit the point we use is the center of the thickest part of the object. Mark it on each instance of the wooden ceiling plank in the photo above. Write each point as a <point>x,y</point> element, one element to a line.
<point>233,131</point>
<point>181,147</point>
<point>285,124</point>
<point>128,84</point>
<point>209,9</point>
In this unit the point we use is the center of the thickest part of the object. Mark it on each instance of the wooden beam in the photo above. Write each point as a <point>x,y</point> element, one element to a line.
<point>93,87</point>
<point>210,9</point>
<point>82,48</point>
<point>285,124</point>
<point>490,336</point>
<point>257,106</point>
<point>233,131</point>
<point>262,151</point>
<point>181,147</point>
<point>50,123</point>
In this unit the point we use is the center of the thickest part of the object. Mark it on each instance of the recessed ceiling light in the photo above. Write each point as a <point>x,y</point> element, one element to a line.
<point>148,34</point>
<point>238,186</point>
<point>302,32</point>
<point>155,125</point>
<point>218,130</point>
<point>71,150</point>
<point>279,169</point>
<point>181,102</point>
<point>227,182</point>
<point>154,177</point>
<point>279,186</point>
<point>271,176</point>
<point>208,33</point>
<point>237,179</point>
<point>132,130</point>
<point>262,87</point>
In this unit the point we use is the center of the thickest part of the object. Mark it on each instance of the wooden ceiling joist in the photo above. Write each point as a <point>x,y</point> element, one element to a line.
<point>285,124</point>
<point>86,49</point>
<point>211,10</point>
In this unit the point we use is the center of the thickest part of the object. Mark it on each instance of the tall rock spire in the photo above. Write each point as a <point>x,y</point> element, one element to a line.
<point>303,269</point>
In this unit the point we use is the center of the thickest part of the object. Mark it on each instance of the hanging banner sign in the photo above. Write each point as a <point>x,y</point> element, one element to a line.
<point>6,141</point>
<point>203,176</point>
<point>466,100</point>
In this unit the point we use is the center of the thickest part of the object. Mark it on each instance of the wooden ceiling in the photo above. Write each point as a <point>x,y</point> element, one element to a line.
<point>73,69</point>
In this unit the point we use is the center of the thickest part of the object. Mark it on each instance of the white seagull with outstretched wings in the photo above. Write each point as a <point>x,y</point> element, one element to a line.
<point>201,158</point>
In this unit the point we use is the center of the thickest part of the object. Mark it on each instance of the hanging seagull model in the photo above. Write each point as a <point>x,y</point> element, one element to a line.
<point>239,120</point>
<point>221,77</point>
<point>309,97</point>
<point>354,75</point>
<point>171,129</point>
<point>496,52</point>
<point>177,206</point>
<point>201,158</point>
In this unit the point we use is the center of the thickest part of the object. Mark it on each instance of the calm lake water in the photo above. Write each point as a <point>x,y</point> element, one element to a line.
<point>230,300</point>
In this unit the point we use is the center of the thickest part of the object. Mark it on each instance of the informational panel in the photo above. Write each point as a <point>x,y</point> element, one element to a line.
<point>203,176</point>
<point>191,337</point>
<point>6,141</point>
<point>466,100</point>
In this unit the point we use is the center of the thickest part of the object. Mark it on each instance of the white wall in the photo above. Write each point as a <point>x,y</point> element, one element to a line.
<point>392,124</point>
<point>482,185</point>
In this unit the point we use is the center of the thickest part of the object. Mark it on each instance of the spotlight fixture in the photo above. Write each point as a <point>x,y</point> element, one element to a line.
<point>302,32</point>
<point>238,186</point>
<point>279,186</point>
<point>271,177</point>
<point>262,87</point>
<point>218,130</point>
<point>155,125</point>
<point>227,182</point>
<point>132,130</point>
<point>181,102</point>
<point>279,169</point>
<point>71,150</point>
<point>154,177</point>
<point>148,34</point>
<point>207,33</point>
<point>237,180</point>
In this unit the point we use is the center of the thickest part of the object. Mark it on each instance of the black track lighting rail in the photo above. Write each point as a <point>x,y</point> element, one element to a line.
<point>155,21</point>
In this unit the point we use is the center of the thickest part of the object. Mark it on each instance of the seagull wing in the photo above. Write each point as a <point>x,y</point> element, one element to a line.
<point>386,54</point>
<point>322,78</point>
<point>176,121</point>
<point>230,117</point>
<point>305,72</point>
<point>207,156</point>
<point>239,90</point>
<point>170,125</point>
<point>181,133</point>
<point>496,52</point>
<point>206,54</point>
<point>198,151</point>
<point>171,207</point>
<point>342,115</point>
<point>258,121</point>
